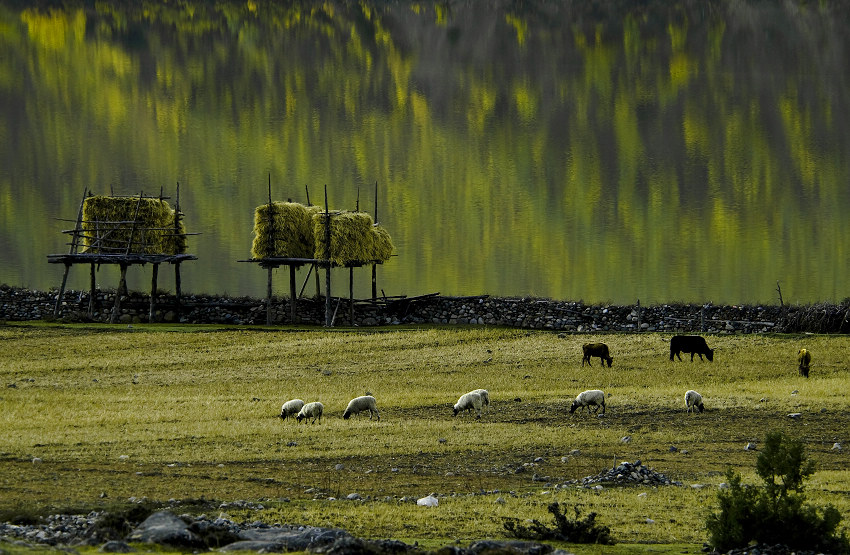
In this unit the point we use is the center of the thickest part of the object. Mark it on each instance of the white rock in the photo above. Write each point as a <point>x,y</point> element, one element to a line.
<point>795,415</point>
<point>836,446</point>
<point>124,457</point>
<point>625,439</point>
<point>723,485</point>
<point>36,460</point>
<point>641,495</point>
<point>650,521</point>
<point>428,501</point>
<point>750,447</point>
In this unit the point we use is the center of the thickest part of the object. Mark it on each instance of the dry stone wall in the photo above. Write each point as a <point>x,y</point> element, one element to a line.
<point>19,304</point>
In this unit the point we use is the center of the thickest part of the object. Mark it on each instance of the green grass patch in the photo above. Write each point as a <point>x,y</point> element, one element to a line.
<point>111,413</point>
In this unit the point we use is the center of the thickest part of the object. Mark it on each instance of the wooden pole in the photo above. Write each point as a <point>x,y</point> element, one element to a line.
<point>306,279</point>
<point>318,284</point>
<point>351,295</point>
<point>152,311</point>
<point>293,310</point>
<point>269,299</point>
<point>375,266</point>
<point>92,293</point>
<point>328,320</point>
<point>638,315</point>
<point>122,286</point>
<point>57,308</point>
<point>178,293</point>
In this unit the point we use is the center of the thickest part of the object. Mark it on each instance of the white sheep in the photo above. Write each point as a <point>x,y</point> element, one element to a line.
<point>470,401</point>
<point>291,408</point>
<point>312,410</point>
<point>360,404</point>
<point>693,400</point>
<point>485,397</point>
<point>593,397</point>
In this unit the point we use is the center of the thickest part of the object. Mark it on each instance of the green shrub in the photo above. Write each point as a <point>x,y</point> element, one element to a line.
<point>576,531</point>
<point>775,512</point>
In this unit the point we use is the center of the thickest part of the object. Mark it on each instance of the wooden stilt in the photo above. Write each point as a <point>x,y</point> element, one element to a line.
<point>351,295</point>
<point>92,292</point>
<point>177,290</point>
<point>58,307</point>
<point>152,311</point>
<point>269,299</point>
<point>318,284</point>
<point>328,318</point>
<point>374,281</point>
<point>122,288</point>
<point>293,300</point>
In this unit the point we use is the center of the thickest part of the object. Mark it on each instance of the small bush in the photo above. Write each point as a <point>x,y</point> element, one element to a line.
<point>775,512</point>
<point>576,531</point>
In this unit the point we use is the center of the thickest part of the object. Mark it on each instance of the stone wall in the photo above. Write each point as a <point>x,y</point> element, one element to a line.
<point>17,304</point>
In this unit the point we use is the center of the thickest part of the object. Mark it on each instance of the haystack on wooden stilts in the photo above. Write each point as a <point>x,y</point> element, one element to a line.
<point>125,230</point>
<point>291,234</point>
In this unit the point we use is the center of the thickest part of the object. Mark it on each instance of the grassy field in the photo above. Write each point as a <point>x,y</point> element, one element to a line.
<point>191,412</point>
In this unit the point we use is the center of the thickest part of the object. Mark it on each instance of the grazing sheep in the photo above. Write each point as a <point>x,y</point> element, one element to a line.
<point>485,397</point>
<point>291,408</point>
<point>693,344</point>
<point>596,350</point>
<point>805,358</point>
<point>312,410</point>
<point>693,400</point>
<point>593,397</point>
<point>360,404</point>
<point>470,401</point>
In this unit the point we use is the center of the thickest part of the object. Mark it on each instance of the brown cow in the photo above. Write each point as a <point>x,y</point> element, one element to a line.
<point>596,350</point>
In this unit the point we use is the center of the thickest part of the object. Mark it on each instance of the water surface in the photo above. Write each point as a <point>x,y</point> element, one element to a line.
<point>597,151</point>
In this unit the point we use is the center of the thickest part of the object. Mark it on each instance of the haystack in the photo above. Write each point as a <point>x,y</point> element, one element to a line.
<point>145,225</point>
<point>283,229</point>
<point>354,239</point>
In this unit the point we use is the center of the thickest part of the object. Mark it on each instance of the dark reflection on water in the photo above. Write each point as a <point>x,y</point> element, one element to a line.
<point>603,151</point>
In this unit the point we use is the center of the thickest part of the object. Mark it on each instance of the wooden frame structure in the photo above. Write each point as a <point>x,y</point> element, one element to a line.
<point>272,263</point>
<point>112,251</point>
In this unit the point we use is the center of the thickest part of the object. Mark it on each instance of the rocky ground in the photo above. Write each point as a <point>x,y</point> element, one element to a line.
<point>20,304</point>
<point>202,533</point>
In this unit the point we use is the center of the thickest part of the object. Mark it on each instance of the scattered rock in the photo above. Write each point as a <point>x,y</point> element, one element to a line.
<point>428,501</point>
<point>626,473</point>
<point>166,529</point>
<point>115,546</point>
<point>795,415</point>
<point>750,447</point>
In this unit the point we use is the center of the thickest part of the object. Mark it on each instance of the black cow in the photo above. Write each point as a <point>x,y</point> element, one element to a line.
<point>693,344</point>
<point>596,350</point>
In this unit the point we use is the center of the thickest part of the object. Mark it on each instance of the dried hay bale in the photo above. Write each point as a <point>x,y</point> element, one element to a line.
<point>382,244</point>
<point>283,229</point>
<point>109,224</point>
<point>175,240</point>
<point>354,239</point>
